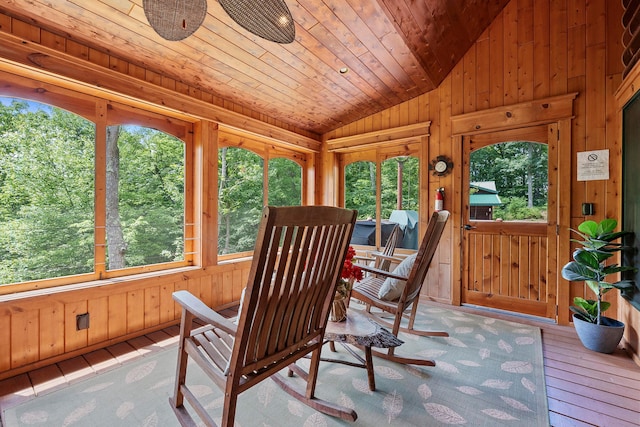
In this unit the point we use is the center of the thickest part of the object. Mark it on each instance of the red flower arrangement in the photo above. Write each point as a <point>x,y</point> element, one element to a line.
<point>350,273</point>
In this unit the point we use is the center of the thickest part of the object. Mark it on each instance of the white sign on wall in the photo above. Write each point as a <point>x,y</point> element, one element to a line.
<point>593,165</point>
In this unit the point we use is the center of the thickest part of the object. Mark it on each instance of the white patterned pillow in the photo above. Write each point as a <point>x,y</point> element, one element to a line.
<point>391,289</point>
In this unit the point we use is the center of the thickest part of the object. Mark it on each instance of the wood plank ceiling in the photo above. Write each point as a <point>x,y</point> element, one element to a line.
<point>395,50</point>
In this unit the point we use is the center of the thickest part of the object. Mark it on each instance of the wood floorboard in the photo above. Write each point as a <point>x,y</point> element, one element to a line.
<point>584,388</point>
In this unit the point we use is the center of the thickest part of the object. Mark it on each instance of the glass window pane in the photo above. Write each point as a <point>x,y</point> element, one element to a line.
<point>360,188</point>
<point>400,198</point>
<point>240,199</point>
<point>360,194</point>
<point>285,182</point>
<point>509,182</point>
<point>145,197</point>
<point>46,192</point>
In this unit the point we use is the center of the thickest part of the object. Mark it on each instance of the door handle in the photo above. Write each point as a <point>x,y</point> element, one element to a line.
<point>469,227</point>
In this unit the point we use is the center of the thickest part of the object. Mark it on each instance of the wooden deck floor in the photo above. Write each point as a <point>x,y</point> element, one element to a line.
<point>584,388</point>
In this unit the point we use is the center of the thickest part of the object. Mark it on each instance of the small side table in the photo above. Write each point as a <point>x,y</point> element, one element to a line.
<point>361,331</point>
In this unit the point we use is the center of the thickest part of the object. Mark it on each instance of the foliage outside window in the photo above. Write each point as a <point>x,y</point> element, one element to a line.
<point>47,193</point>
<point>241,195</point>
<point>360,188</point>
<point>407,168</point>
<point>397,194</point>
<point>519,172</point>
<point>285,182</point>
<point>145,201</point>
<point>240,199</point>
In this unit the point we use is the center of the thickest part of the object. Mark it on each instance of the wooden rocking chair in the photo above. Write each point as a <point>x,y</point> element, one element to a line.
<point>297,261</point>
<point>382,260</point>
<point>367,291</point>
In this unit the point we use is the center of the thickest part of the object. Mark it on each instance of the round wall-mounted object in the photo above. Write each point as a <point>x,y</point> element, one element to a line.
<point>441,165</point>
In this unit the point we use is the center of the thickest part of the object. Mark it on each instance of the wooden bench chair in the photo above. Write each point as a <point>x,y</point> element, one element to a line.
<point>367,291</point>
<point>297,262</point>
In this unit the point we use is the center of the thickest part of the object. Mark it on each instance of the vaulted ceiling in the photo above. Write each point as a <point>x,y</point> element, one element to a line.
<point>394,50</point>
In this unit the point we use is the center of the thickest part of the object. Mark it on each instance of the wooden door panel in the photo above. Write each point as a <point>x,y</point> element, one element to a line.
<point>507,267</point>
<point>507,264</point>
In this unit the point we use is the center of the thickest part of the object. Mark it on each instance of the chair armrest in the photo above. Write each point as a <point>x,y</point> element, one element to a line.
<point>200,310</point>
<point>363,258</point>
<point>392,258</point>
<point>382,272</point>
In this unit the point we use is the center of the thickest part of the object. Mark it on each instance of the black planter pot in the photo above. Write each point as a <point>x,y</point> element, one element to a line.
<point>602,338</point>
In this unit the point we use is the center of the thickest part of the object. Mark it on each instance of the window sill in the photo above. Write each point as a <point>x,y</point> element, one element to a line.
<point>16,296</point>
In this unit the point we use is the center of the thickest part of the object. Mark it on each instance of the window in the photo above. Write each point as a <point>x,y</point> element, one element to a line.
<point>396,197</point>
<point>360,189</point>
<point>285,182</point>
<point>240,199</point>
<point>144,198</point>
<point>509,182</point>
<point>399,194</point>
<point>241,194</point>
<point>46,192</point>
<point>75,206</point>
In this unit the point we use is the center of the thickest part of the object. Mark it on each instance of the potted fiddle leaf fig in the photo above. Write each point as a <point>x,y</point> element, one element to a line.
<point>590,264</point>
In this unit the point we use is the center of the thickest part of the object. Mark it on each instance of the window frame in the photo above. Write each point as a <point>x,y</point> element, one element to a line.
<point>377,155</point>
<point>266,153</point>
<point>103,112</point>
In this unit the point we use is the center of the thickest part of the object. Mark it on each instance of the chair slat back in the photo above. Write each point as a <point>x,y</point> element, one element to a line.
<point>297,262</point>
<point>388,250</point>
<point>425,254</point>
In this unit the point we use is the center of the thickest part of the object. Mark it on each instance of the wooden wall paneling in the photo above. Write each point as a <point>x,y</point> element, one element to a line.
<point>614,40</point>
<point>565,160</point>
<point>117,315</point>
<point>496,61</point>
<point>558,47</point>
<point>524,263</point>
<point>135,310</point>
<point>98,309</point>
<point>73,338</point>
<point>25,30</point>
<point>151,306</point>
<point>614,144</point>
<point>537,246</point>
<point>612,197</point>
<point>52,330</point>
<point>496,255</point>
<point>455,205</point>
<point>486,277</point>
<point>596,98</point>
<point>25,337</point>
<point>503,267</point>
<point>576,50</point>
<point>167,305</point>
<point>553,158</point>
<point>525,50</point>
<point>5,335</point>
<point>54,41</point>
<point>206,291</point>
<point>5,23</point>
<point>483,78</point>
<point>226,278</point>
<point>514,265</point>
<point>457,89</point>
<point>579,136</point>
<point>510,53</point>
<point>541,59</point>
<point>469,79</point>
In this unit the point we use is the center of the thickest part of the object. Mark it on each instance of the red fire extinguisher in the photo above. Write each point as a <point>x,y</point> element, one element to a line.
<point>439,199</point>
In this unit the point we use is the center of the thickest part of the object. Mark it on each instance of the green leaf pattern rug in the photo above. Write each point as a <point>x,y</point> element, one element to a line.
<point>489,372</point>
